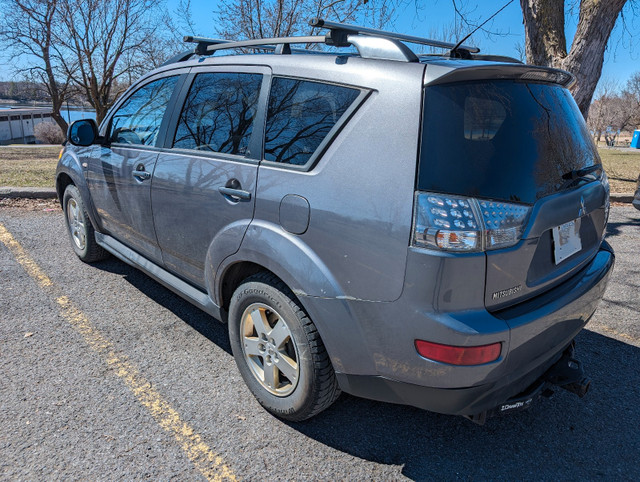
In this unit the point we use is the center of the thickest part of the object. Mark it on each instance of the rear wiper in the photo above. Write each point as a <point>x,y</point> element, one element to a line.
<point>578,173</point>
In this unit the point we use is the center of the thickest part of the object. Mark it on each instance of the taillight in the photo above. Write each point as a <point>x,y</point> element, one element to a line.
<point>456,223</point>
<point>459,355</point>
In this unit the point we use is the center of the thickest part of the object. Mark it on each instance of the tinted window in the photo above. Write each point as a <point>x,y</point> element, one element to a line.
<point>218,113</point>
<point>300,116</point>
<point>138,119</point>
<point>501,140</point>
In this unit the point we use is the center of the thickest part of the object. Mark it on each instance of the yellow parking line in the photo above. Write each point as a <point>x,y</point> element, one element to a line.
<point>205,460</point>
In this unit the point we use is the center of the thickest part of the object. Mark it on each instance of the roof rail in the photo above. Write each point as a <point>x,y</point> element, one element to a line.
<point>370,43</point>
<point>265,42</point>
<point>203,43</point>
<point>493,58</point>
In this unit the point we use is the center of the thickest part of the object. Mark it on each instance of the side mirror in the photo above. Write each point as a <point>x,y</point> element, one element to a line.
<point>83,132</point>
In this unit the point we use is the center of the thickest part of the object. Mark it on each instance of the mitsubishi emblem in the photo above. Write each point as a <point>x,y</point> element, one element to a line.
<point>582,210</point>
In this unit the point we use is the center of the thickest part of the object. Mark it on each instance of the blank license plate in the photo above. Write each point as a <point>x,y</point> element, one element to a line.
<point>566,240</point>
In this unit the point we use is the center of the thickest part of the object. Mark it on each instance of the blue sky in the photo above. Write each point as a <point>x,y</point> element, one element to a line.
<point>621,59</point>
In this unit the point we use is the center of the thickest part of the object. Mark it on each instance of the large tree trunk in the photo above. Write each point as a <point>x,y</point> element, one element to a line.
<point>58,97</point>
<point>545,41</point>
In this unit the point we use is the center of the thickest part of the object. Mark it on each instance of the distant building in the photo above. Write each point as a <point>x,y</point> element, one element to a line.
<point>16,125</point>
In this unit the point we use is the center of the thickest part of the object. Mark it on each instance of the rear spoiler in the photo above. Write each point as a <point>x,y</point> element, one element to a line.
<point>441,72</point>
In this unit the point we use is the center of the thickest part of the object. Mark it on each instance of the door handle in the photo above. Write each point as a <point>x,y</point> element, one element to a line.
<point>141,175</point>
<point>235,194</point>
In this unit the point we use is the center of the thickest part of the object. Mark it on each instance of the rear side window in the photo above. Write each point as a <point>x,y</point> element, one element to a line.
<point>300,115</point>
<point>219,112</point>
<point>137,121</point>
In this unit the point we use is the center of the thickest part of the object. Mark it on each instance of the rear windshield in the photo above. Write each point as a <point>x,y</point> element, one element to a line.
<point>502,140</point>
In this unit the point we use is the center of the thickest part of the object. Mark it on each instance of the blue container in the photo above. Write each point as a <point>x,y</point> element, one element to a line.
<point>635,142</point>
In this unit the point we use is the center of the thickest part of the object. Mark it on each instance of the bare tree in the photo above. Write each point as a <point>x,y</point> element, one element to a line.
<point>176,24</point>
<point>48,133</point>
<point>614,110</point>
<point>546,42</point>
<point>28,27</point>
<point>280,18</point>
<point>105,39</point>
<point>632,95</point>
<point>601,112</point>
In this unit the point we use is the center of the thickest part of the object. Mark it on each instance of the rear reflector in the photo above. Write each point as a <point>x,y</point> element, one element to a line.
<point>459,355</point>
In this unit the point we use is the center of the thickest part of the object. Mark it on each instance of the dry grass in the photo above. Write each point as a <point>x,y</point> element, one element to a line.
<point>36,167</point>
<point>28,166</point>
<point>47,205</point>
<point>623,168</point>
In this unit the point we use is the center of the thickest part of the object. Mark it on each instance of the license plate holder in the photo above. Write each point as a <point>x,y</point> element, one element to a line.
<point>566,240</point>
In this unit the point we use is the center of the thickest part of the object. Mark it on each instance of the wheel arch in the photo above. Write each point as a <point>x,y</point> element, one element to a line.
<point>62,181</point>
<point>233,277</point>
<point>69,171</point>
<point>287,256</point>
<point>267,247</point>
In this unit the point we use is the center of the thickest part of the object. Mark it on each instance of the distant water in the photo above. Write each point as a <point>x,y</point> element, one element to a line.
<point>75,115</point>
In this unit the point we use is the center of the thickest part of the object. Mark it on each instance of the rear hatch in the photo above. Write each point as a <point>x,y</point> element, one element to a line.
<point>513,157</point>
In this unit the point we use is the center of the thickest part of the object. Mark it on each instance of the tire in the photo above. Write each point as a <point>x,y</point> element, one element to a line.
<point>79,227</point>
<point>299,381</point>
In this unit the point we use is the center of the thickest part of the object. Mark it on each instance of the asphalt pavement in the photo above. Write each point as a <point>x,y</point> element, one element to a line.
<point>107,375</point>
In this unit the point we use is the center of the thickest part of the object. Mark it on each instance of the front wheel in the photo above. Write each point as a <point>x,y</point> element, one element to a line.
<point>278,350</point>
<point>81,232</point>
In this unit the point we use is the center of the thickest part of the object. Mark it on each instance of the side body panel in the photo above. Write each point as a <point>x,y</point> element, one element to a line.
<point>119,175</point>
<point>123,202</point>
<point>360,192</point>
<point>189,210</point>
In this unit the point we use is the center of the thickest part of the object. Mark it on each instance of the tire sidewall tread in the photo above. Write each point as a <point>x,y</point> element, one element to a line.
<point>92,250</point>
<point>317,386</point>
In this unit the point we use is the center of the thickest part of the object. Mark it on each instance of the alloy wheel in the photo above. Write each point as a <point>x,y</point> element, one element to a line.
<point>269,349</point>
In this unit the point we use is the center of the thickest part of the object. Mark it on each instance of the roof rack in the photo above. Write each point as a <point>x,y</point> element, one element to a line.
<point>370,43</point>
<point>354,29</point>
<point>203,43</point>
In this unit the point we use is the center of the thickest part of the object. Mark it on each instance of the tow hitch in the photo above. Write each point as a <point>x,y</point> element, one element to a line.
<point>566,373</point>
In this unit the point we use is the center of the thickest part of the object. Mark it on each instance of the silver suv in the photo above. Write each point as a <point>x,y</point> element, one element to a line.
<point>417,229</point>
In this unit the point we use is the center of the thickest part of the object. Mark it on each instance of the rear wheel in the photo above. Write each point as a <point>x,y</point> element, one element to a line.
<point>79,226</point>
<point>278,350</point>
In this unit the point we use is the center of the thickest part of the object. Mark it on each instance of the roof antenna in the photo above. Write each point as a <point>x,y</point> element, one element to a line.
<point>463,53</point>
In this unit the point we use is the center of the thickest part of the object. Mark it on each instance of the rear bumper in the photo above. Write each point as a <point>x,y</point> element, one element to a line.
<point>451,401</point>
<point>534,335</point>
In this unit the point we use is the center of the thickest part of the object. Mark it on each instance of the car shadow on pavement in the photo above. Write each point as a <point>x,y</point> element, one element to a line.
<point>197,319</point>
<point>633,219</point>
<point>559,438</point>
